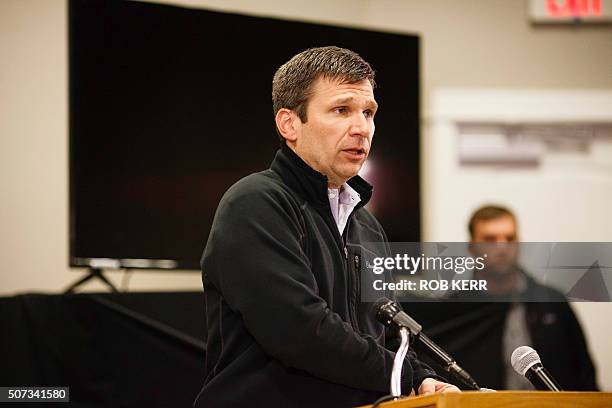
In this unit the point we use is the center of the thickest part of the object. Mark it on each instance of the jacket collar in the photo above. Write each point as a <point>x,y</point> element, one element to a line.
<point>309,183</point>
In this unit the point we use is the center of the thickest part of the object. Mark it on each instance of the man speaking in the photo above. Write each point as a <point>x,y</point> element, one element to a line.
<point>281,270</point>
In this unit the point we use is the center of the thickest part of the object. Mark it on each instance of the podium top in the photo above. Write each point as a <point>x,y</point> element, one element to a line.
<point>506,399</point>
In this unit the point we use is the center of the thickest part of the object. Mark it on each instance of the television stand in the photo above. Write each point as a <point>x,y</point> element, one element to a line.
<point>91,274</point>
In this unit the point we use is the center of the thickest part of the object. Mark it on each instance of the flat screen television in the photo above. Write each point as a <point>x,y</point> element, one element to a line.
<point>169,106</point>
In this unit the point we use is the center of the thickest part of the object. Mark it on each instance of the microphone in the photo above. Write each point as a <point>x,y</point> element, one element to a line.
<point>526,362</point>
<point>390,314</point>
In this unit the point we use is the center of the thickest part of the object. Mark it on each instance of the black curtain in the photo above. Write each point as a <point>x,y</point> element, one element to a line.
<point>119,350</point>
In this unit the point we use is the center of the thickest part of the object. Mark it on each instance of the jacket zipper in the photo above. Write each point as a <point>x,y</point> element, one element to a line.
<point>352,311</point>
<point>353,280</point>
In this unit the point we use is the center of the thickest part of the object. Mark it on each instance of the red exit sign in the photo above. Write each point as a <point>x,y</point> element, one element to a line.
<point>570,11</point>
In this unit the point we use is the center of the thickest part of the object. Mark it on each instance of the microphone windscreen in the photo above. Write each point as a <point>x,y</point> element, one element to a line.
<point>383,311</point>
<point>380,303</point>
<point>523,358</point>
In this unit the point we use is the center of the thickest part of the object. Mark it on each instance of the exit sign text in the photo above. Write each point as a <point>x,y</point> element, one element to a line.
<point>570,11</point>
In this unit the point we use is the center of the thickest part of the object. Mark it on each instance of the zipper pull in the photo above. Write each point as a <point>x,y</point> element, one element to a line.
<point>357,262</point>
<point>345,253</point>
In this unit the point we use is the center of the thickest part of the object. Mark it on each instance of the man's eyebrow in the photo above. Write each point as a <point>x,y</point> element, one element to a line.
<point>370,103</point>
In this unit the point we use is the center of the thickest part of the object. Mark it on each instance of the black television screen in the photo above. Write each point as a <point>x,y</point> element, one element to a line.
<point>169,106</point>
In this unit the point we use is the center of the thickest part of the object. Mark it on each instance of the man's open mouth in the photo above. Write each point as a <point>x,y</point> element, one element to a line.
<point>356,151</point>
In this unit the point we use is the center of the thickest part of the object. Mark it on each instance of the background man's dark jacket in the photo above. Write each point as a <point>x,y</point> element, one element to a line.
<point>473,333</point>
<point>286,325</point>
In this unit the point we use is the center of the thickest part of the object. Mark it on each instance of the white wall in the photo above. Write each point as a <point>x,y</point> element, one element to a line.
<point>566,197</point>
<point>475,43</point>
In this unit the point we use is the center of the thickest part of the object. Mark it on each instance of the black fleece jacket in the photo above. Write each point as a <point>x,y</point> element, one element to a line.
<point>286,325</point>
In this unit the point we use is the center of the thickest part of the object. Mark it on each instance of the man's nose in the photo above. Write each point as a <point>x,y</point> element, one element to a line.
<point>360,125</point>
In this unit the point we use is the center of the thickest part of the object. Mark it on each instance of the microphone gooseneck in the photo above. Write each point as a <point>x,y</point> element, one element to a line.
<point>390,314</point>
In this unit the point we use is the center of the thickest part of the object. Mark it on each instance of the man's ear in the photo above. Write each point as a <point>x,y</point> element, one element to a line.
<point>287,124</point>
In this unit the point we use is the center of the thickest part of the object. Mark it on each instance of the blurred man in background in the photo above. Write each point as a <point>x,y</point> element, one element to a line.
<point>549,327</point>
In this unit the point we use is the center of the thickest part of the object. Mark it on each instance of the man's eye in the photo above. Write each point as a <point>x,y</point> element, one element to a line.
<point>340,110</point>
<point>368,113</point>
